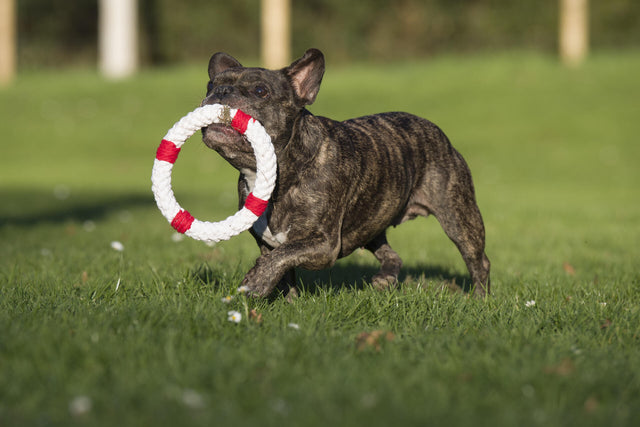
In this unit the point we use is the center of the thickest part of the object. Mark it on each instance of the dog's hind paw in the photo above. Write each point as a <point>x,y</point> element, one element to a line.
<point>382,281</point>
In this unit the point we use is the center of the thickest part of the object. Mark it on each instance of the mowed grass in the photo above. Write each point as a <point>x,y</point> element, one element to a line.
<point>93,336</point>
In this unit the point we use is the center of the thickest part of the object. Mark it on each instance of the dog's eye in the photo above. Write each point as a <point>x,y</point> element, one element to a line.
<point>209,86</point>
<point>261,91</point>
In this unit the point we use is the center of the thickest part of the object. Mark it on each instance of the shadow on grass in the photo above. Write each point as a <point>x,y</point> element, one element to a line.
<point>350,275</point>
<point>32,207</point>
<point>357,276</point>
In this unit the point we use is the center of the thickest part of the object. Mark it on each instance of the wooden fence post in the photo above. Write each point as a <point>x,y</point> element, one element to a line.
<point>574,31</point>
<point>276,33</point>
<point>117,38</point>
<point>7,41</point>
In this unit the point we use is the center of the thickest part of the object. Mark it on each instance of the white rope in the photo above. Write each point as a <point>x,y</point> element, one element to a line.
<point>167,154</point>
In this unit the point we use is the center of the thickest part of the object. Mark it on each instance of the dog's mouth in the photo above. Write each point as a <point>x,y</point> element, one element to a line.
<point>218,134</point>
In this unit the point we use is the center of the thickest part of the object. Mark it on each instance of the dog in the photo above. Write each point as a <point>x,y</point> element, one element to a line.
<point>340,185</point>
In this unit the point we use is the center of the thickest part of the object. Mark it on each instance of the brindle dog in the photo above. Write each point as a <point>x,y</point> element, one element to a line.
<point>340,185</point>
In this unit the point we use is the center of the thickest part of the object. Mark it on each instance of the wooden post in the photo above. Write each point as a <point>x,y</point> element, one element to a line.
<point>574,31</point>
<point>276,33</point>
<point>117,38</point>
<point>7,41</point>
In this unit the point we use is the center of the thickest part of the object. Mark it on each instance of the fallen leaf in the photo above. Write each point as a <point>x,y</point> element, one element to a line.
<point>255,316</point>
<point>591,404</point>
<point>606,324</point>
<point>373,340</point>
<point>70,229</point>
<point>465,377</point>
<point>563,369</point>
<point>568,268</point>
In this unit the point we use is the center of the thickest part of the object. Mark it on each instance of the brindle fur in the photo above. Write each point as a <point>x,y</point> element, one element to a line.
<point>340,185</point>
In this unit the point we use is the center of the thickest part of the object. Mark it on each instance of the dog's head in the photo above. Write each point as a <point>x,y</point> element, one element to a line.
<point>275,98</point>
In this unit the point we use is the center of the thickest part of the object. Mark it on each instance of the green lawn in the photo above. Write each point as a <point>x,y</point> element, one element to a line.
<point>93,336</point>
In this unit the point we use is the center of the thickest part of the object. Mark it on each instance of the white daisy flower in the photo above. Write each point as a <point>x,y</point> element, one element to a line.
<point>125,216</point>
<point>227,299</point>
<point>80,405</point>
<point>293,326</point>
<point>192,399</point>
<point>530,303</point>
<point>61,192</point>
<point>117,246</point>
<point>243,289</point>
<point>234,316</point>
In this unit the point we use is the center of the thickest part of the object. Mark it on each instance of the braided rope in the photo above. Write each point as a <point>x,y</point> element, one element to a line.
<point>167,153</point>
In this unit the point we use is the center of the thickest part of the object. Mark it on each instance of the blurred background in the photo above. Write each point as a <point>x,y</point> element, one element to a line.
<point>540,97</point>
<point>55,34</point>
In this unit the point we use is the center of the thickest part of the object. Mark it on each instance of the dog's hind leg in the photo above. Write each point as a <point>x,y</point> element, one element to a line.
<point>390,262</point>
<point>462,222</point>
<point>287,285</point>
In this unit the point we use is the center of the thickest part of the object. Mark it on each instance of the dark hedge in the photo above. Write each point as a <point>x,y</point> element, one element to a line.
<point>53,33</point>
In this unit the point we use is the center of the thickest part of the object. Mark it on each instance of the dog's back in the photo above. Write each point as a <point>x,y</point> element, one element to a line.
<point>390,161</point>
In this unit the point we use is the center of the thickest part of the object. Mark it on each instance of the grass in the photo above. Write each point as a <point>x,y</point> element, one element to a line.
<point>93,336</point>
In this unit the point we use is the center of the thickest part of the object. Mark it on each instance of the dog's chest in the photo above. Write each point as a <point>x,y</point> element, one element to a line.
<point>261,226</point>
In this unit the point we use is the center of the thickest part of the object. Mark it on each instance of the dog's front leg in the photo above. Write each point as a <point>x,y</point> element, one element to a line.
<point>287,284</point>
<point>313,253</point>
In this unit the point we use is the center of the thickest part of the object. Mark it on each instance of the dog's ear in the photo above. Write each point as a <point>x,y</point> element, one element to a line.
<point>220,62</point>
<point>306,75</point>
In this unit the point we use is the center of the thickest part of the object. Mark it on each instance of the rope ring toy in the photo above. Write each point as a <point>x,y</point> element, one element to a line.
<point>255,204</point>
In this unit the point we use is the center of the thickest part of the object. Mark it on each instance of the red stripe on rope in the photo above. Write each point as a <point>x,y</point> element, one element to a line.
<point>241,121</point>
<point>167,151</point>
<point>255,205</point>
<point>182,221</point>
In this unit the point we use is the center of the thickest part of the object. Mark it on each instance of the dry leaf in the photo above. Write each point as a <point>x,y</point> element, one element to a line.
<point>465,377</point>
<point>568,268</point>
<point>373,340</point>
<point>70,229</point>
<point>591,404</point>
<point>255,316</point>
<point>563,369</point>
<point>606,324</point>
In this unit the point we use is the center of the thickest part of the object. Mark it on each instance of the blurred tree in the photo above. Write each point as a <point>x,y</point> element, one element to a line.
<point>53,32</point>
<point>150,14</point>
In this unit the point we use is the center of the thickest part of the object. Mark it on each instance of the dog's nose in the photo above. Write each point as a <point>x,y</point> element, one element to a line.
<point>222,91</point>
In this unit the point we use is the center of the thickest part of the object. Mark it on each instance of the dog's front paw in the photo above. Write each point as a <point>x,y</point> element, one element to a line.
<point>256,284</point>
